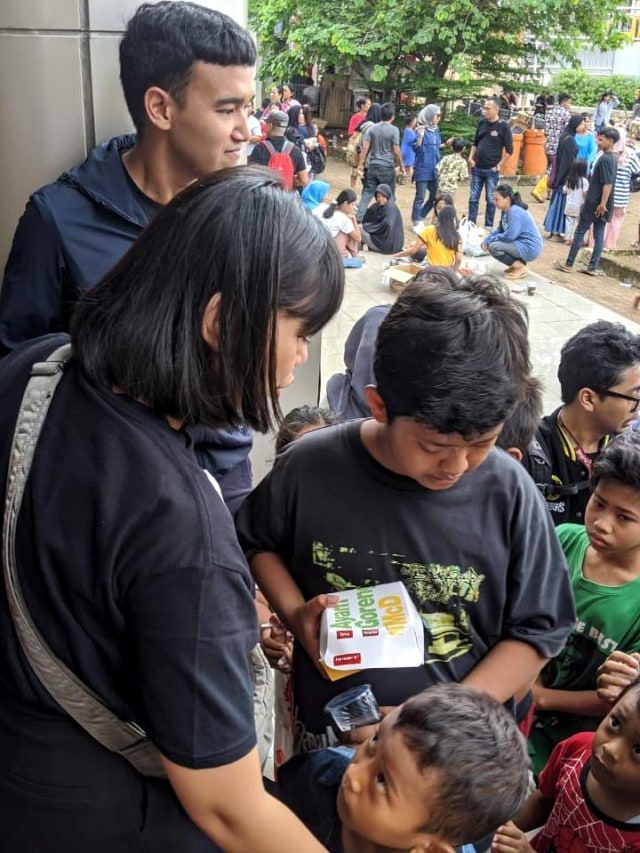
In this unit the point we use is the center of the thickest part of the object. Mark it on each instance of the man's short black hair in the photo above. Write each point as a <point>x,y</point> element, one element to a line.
<point>452,353</point>
<point>387,111</point>
<point>563,98</point>
<point>595,357</point>
<point>163,41</point>
<point>611,133</point>
<point>458,144</point>
<point>360,102</point>
<point>480,755</point>
<point>619,461</point>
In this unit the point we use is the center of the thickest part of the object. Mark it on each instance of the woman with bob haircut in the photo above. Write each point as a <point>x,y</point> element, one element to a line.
<point>126,555</point>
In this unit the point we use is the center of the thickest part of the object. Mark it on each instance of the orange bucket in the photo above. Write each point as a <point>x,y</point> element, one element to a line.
<point>510,168</point>
<point>534,159</point>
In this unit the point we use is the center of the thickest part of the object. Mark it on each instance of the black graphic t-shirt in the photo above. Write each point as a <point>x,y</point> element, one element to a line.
<point>481,560</point>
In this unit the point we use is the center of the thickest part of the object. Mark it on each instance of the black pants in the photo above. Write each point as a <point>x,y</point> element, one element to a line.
<point>61,792</point>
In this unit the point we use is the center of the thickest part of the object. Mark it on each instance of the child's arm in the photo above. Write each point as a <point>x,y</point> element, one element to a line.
<point>585,702</point>
<point>413,248</point>
<point>301,617</point>
<point>510,666</point>
<point>534,813</point>
<point>617,671</point>
<point>510,839</point>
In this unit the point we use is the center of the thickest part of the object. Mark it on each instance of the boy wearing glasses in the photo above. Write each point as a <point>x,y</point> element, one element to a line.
<point>599,374</point>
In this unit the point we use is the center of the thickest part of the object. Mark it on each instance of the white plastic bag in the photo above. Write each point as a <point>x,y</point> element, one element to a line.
<point>471,237</point>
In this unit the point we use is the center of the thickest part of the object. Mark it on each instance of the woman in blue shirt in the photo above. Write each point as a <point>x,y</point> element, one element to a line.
<point>517,240</point>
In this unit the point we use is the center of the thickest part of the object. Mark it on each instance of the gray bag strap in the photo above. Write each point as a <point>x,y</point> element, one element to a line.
<point>79,701</point>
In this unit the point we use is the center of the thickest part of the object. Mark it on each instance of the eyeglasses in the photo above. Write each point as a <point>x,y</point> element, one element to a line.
<point>634,400</point>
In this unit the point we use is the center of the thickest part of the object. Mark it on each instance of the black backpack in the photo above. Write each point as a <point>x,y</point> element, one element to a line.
<point>317,160</point>
<point>538,464</point>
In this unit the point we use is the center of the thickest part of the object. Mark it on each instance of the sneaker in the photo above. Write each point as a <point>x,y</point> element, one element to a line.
<point>417,226</point>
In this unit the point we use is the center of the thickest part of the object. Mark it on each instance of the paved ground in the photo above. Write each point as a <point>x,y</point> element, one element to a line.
<point>605,291</point>
<point>562,305</point>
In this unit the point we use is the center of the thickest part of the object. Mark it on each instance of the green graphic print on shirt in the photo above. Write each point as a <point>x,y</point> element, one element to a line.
<point>449,633</point>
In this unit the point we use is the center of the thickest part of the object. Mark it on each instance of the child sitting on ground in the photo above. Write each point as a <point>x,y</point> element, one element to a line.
<point>445,767</point>
<point>604,564</point>
<point>589,795</point>
<point>441,241</point>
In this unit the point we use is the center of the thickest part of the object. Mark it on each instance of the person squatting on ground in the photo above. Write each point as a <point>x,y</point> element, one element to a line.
<point>517,241</point>
<point>159,626</point>
<point>597,209</point>
<point>427,781</point>
<point>177,59</point>
<point>492,147</point>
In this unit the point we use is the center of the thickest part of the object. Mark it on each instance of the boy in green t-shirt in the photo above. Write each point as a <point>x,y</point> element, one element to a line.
<point>604,564</point>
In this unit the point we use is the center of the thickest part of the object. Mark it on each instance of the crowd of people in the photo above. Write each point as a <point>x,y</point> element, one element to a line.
<point>156,301</point>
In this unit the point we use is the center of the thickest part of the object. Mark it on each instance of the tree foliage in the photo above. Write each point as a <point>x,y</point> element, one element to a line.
<point>586,91</point>
<point>440,47</point>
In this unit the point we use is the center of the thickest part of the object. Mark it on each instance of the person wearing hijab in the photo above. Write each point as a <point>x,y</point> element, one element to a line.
<point>427,147</point>
<point>382,228</point>
<point>554,221</point>
<point>314,194</point>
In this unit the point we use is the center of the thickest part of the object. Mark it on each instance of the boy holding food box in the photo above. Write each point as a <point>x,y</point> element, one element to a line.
<point>418,494</point>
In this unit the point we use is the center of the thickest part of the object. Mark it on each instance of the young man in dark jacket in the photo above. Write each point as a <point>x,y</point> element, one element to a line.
<point>187,75</point>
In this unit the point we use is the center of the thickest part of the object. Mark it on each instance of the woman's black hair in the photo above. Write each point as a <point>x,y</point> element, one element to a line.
<point>226,236</point>
<point>299,419</point>
<point>577,171</point>
<point>507,191</point>
<point>308,116</point>
<point>447,198</point>
<point>374,113</point>
<point>447,227</point>
<point>164,40</point>
<point>293,114</point>
<point>347,195</point>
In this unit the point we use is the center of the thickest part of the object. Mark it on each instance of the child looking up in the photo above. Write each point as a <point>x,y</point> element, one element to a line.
<point>444,768</point>
<point>589,795</point>
<point>604,564</point>
<point>440,241</point>
<point>416,494</point>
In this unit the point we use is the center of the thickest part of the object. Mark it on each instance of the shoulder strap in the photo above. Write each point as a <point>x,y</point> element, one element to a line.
<point>538,464</point>
<point>78,700</point>
<point>288,145</point>
<point>269,147</point>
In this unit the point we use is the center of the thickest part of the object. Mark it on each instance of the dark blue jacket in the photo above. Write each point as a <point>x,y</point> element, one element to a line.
<point>427,156</point>
<point>72,232</point>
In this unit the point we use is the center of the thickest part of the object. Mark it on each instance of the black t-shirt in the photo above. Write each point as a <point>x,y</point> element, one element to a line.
<point>131,570</point>
<point>604,172</point>
<point>261,155</point>
<point>490,140</point>
<point>481,560</point>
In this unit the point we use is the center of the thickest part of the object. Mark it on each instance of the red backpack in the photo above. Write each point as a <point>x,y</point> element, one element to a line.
<point>281,162</point>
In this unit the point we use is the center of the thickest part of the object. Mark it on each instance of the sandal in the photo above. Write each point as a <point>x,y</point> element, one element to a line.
<point>514,275</point>
<point>595,273</point>
<point>561,267</point>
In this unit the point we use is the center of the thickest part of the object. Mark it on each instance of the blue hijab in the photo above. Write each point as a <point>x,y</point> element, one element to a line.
<point>313,193</point>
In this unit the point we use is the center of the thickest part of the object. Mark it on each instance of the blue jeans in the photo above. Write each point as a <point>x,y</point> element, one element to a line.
<point>419,209</point>
<point>487,178</point>
<point>374,176</point>
<point>584,223</point>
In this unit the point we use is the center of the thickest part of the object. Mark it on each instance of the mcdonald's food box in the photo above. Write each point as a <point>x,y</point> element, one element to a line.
<point>372,627</point>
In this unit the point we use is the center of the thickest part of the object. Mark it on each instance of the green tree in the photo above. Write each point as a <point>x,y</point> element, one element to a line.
<point>441,48</point>
<point>586,91</point>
